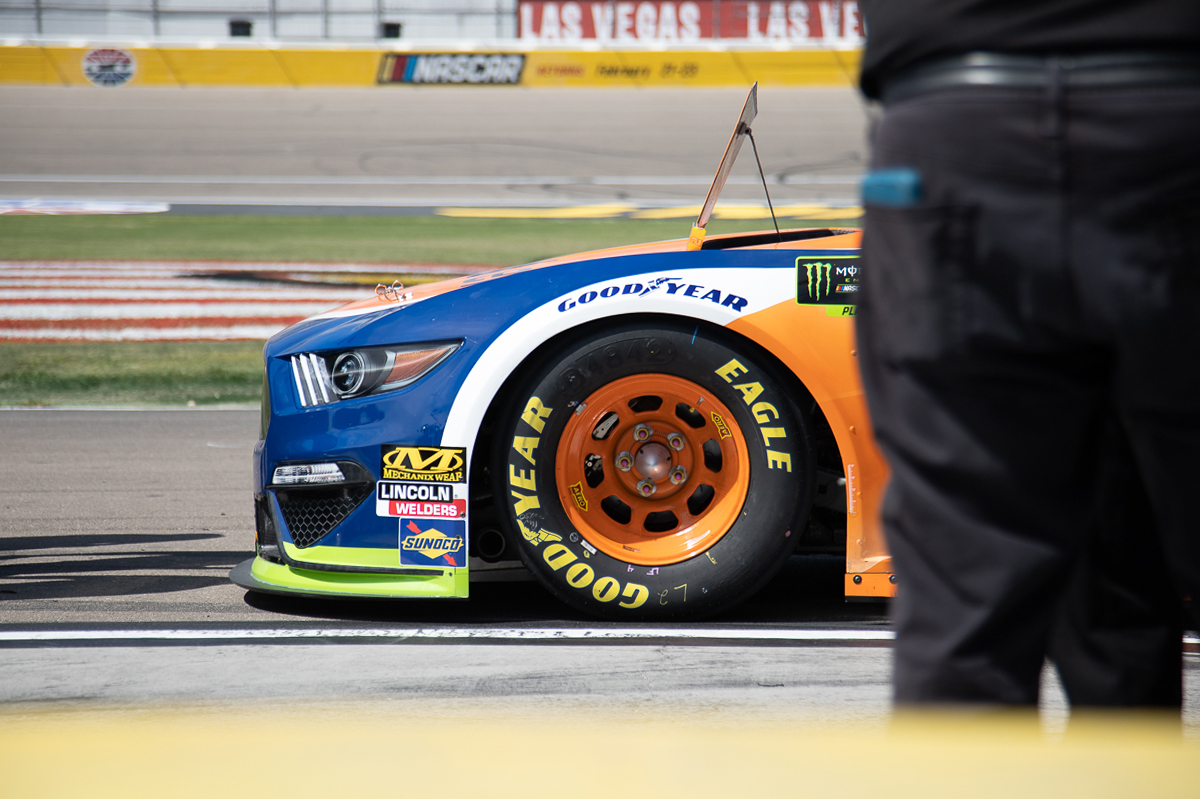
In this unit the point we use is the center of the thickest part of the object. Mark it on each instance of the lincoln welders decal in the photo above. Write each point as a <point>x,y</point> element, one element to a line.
<point>828,280</point>
<point>454,68</point>
<point>437,501</point>
<point>433,542</point>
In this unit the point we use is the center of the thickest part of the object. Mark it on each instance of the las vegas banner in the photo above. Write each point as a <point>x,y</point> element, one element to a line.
<point>825,23</point>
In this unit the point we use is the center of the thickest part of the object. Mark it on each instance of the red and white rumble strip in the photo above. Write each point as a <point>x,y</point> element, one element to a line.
<point>179,301</point>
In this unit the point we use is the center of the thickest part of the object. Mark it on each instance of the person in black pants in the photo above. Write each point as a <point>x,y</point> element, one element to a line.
<point>1029,340</point>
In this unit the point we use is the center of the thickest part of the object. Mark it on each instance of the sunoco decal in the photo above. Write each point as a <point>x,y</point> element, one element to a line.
<point>433,542</point>
<point>424,464</point>
<point>828,280</point>
<point>453,68</point>
<point>109,67</point>
<point>424,500</point>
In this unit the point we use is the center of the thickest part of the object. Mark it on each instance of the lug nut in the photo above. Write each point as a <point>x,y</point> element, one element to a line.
<point>646,488</point>
<point>642,432</point>
<point>676,441</point>
<point>678,475</point>
<point>625,461</point>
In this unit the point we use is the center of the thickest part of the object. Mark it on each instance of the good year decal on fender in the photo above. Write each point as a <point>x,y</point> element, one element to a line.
<point>670,286</point>
<point>522,482</point>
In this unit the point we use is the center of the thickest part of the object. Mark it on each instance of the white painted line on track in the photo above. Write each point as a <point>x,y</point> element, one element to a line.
<point>139,269</point>
<point>239,407</point>
<point>236,333</point>
<point>180,293</point>
<point>428,180</point>
<point>116,294</point>
<point>166,310</point>
<point>539,634</point>
<point>71,207</point>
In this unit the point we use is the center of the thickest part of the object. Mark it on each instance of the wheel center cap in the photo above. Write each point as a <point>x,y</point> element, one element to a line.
<point>653,461</point>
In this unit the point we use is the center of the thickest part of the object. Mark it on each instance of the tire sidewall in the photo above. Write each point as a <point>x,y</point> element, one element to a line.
<point>560,555</point>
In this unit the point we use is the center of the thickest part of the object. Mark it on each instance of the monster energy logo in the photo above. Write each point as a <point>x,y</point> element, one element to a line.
<point>818,280</point>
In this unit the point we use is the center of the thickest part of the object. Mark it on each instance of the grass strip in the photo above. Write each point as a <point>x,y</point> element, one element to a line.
<point>131,373</point>
<point>343,239</point>
<point>211,373</point>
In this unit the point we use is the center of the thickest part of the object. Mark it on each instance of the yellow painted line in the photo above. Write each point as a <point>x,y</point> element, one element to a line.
<point>681,212</point>
<point>568,212</point>
<point>534,748</point>
<point>787,211</point>
<point>821,211</point>
<point>810,212</point>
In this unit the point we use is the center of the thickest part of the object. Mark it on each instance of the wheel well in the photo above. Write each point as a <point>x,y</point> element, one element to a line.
<point>825,527</point>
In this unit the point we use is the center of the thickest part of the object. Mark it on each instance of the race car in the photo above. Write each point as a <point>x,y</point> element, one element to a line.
<point>651,431</point>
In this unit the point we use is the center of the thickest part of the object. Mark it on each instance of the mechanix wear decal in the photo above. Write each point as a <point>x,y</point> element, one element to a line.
<point>424,464</point>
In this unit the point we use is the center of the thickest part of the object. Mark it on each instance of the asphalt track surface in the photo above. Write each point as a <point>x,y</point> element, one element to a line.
<point>120,527</point>
<point>213,149</point>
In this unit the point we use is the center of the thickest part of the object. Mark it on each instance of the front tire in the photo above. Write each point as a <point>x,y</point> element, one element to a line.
<point>653,473</point>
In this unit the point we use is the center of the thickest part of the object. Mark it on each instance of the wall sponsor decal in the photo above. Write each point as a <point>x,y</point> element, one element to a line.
<point>453,68</point>
<point>107,66</point>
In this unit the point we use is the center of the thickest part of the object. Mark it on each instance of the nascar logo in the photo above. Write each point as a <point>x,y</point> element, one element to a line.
<point>495,68</point>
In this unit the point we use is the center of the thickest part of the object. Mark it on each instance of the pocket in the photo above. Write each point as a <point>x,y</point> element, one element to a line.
<point>1182,253</point>
<point>914,301</point>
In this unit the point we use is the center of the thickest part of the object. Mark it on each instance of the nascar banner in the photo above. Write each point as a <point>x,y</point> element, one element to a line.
<point>453,68</point>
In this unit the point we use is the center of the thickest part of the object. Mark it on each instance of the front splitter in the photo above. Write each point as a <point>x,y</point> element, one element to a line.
<point>263,576</point>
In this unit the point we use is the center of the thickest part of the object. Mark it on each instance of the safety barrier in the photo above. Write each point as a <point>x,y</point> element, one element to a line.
<point>198,65</point>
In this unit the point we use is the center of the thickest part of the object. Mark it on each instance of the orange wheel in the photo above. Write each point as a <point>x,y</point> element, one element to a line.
<point>652,472</point>
<point>652,469</point>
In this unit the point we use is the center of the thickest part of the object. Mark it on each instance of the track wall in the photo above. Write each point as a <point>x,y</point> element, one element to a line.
<point>117,66</point>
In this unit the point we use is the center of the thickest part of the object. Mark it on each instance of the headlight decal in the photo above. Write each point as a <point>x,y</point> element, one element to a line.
<point>312,379</point>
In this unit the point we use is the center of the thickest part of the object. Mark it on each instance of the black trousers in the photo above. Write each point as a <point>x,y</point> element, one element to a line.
<point>1029,339</point>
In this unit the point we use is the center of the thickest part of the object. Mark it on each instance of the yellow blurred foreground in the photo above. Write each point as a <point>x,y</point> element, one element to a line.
<point>416,748</point>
